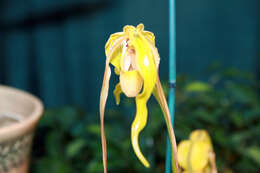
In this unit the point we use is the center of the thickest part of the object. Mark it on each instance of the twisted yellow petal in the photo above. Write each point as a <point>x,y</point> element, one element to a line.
<point>147,69</point>
<point>160,97</point>
<point>111,48</point>
<point>103,99</point>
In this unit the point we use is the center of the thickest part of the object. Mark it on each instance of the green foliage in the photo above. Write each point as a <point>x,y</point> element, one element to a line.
<point>197,86</point>
<point>227,106</point>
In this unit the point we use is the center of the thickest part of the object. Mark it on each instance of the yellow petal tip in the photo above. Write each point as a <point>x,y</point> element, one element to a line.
<point>146,164</point>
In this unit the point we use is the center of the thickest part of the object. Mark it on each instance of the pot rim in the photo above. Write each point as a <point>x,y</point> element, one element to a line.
<point>26,125</point>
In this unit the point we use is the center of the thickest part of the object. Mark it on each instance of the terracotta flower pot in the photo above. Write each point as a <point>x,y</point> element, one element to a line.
<point>19,114</point>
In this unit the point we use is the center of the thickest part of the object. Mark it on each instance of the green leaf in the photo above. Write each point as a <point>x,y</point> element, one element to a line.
<point>241,93</point>
<point>198,87</point>
<point>53,165</point>
<point>94,166</point>
<point>75,147</point>
<point>54,143</point>
<point>239,138</point>
<point>251,115</point>
<point>254,153</point>
<point>93,129</point>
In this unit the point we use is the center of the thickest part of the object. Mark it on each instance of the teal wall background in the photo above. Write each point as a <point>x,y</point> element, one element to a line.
<point>55,49</point>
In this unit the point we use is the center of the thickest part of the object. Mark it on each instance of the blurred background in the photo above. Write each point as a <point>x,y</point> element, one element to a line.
<point>55,50</point>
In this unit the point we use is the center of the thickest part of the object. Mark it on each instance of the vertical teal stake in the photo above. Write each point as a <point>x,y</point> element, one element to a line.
<point>172,76</point>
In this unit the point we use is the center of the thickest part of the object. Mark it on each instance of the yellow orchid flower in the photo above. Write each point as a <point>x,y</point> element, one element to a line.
<point>136,60</point>
<point>196,155</point>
